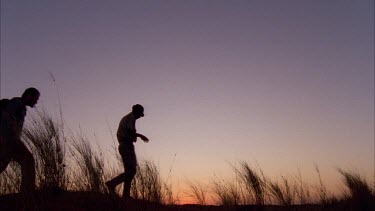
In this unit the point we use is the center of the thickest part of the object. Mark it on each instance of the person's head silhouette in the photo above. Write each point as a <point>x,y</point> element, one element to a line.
<point>138,111</point>
<point>30,97</point>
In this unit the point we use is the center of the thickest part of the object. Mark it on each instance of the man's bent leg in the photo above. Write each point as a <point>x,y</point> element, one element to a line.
<point>111,184</point>
<point>24,157</point>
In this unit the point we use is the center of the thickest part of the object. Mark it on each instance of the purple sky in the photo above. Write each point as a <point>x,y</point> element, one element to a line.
<point>285,83</point>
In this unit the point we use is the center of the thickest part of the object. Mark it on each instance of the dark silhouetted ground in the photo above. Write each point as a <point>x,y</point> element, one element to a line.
<point>63,200</point>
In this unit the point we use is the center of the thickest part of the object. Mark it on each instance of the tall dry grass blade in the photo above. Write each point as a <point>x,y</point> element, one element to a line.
<point>302,189</point>
<point>321,189</point>
<point>167,194</point>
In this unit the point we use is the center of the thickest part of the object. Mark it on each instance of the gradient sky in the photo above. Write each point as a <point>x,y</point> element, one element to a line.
<point>287,84</point>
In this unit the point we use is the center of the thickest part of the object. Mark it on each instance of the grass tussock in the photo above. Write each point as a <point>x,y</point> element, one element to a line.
<point>283,193</point>
<point>251,187</point>
<point>226,192</point>
<point>360,195</point>
<point>197,192</point>
<point>45,138</point>
<point>148,185</point>
<point>254,181</point>
<point>89,165</point>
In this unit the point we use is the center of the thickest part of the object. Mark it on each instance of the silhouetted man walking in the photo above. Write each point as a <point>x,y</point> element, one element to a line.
<point>11,147</point>
<point>126,136</point>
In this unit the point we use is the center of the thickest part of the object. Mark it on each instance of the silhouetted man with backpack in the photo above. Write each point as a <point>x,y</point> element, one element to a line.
<point>13,114</point>
<point>127,135</point>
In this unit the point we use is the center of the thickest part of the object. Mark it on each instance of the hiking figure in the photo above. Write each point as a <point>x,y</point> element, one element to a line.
<point>13,114</point>
<point>126,136</point>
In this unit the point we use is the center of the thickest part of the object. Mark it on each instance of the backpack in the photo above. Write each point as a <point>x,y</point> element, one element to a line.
<point>3,104</point>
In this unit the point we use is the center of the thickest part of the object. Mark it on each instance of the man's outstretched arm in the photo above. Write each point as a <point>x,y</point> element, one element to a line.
<point>144,138</point>
<point>134,133</point>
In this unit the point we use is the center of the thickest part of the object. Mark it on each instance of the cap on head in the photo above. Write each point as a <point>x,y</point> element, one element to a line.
<point>137,108</point>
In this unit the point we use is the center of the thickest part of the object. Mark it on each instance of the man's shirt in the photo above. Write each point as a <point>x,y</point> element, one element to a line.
<point>126,130</point>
